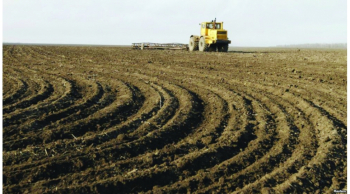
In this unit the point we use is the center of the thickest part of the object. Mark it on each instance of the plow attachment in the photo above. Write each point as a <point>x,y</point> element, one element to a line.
<point>160,46</point>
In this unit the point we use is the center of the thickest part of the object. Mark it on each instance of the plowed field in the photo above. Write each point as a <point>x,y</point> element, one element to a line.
<point>116,120</point>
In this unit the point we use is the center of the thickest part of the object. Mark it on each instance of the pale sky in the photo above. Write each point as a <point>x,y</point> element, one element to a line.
<point>114,22</point>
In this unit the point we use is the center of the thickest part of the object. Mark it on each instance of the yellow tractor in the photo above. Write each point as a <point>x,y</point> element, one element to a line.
<point>213,38</point>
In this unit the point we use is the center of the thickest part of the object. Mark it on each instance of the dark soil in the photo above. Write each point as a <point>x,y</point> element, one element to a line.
<point>117,120</point>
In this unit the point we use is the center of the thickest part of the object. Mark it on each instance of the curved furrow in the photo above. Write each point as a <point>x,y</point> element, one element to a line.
<point>32,169</point>
<point>182,107</point>
<point>332,142</point>
<point>185,120</point>
<point>10,85</point>
<point>150,107</point>
<point>344,125</point>
<point>61,98</point>
<point>168,104</point>
<point>126,104</point>
<point>294,140</point>
<point>41,127</point>
<point>124,100</point>
<point>314,98</point>
<point>302,104</point>
<point>258,163</point>
<point>37,90</point>
<point>163,169</point>
<point>179,118</point>
<point>34,84</point>
<point>127,97</point>
<point>79,109</point>
<point>208,97</point>
<point>161,111</point>
<point>318,93</point>
<point>204,152</point>
<point>195,139</point>
<point>14,96</point>
<point>335,107</point>
<point>157,110</point>
<point>210,144</point>
<point>243,154</point>
<point>92,93</point>
<point>297,159</point>
<point>87,151</point>
<point>335,110</point>
<point>45,91</point>
<point>12,120</point>
<point>240,167</point>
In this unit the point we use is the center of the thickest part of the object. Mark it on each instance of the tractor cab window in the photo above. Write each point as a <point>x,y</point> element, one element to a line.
<point>211,26</point>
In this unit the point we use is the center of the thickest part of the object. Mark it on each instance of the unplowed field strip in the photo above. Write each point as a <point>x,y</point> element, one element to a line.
<point>109,119</point>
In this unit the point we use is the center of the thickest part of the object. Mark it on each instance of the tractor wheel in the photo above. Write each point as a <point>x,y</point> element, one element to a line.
<point>193,45</point>
<point>223,47</point>
<point>202,46</point>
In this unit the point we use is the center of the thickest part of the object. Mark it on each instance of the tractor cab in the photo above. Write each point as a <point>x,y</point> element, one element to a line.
<point>205,26</point>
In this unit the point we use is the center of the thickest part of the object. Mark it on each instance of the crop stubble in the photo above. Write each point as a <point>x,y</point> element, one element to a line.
<point>106,119</point>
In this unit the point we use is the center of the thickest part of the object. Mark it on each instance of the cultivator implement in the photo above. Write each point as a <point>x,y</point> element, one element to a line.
<point>160,46</point>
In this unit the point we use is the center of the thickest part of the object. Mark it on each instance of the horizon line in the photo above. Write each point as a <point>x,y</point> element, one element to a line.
<point>124,45</point>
